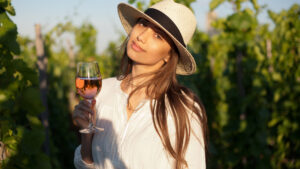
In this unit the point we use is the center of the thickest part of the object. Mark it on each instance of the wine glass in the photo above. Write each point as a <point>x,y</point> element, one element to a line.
<point>88,84</point>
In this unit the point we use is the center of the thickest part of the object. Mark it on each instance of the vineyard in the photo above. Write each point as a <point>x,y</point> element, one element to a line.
<point>248,78</point>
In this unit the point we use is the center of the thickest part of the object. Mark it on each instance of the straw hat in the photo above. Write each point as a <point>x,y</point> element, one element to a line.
<point>175,19</point>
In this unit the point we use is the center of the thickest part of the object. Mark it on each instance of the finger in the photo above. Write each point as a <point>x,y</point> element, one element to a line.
<point>86,103</point>
<point>85,106</point>
<point>81,123</point>
<point>93,102</point>
<point>80,114</point>
<point>79,110</point>
<point>89,105</point>
<point>86,109</point>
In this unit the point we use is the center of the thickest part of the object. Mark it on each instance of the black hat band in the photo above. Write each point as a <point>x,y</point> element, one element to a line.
<point>165,22</point>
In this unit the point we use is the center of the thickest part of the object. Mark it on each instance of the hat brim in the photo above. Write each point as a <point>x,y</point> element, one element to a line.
<point>129,16</point>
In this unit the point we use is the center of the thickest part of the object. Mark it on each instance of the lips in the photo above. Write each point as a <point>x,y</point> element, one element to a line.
<point>136,47</point>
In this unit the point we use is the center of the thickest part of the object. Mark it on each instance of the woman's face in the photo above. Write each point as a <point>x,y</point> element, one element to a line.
<point>148,45</point>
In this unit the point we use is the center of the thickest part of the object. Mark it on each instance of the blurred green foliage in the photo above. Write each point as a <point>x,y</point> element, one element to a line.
<point>247,77</point>
<point>21,131</point>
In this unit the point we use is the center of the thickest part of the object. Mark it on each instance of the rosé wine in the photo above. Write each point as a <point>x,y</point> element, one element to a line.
<point>88,88</point>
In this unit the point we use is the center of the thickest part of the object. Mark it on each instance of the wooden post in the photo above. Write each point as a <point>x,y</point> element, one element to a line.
<point>71,94</point>
<point>42,66</point>
<point>240,75</point>
<point>2,152</point>
<point>240,85</point>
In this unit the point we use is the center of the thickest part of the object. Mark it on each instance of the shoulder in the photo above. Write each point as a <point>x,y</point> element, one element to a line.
<point>109,86</point>
<point>109,83</point>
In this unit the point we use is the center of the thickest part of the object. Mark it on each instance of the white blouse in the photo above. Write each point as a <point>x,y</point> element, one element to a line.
<point>133,143</point>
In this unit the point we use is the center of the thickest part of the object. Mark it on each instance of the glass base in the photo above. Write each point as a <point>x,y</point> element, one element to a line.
<point>91,129</point>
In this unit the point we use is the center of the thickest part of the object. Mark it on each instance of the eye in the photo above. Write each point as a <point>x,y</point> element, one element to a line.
<point>158,36</point>
<point>143,22</point>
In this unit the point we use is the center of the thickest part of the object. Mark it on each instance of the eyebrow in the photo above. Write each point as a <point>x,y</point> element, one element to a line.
<point>153,26</point>
<point>158,30</point>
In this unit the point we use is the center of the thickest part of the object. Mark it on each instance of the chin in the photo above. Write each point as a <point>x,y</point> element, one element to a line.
<point>134,56</point>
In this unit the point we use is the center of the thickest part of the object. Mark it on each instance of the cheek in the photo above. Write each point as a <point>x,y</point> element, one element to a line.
<point>160,51</point>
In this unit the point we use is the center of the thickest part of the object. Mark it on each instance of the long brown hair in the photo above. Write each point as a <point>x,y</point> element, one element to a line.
<point>169,97</point>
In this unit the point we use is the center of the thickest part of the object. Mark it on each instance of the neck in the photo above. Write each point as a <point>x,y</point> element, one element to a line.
<point>134,79</point>
<point>140,69</point>
<point>136,75</point>
<point>139,74</point>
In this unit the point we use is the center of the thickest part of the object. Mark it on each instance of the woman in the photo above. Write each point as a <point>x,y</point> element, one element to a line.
<point>149,120</point>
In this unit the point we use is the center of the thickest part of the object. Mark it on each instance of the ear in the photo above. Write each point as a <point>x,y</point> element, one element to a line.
<point>167,58</point>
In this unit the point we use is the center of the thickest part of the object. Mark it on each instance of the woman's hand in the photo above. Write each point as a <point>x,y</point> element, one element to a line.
<point>81,119</point>
<point>81,113</point>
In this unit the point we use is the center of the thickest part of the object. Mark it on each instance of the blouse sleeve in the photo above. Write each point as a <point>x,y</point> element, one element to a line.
<point>79,163</point>
<point>195,154</point>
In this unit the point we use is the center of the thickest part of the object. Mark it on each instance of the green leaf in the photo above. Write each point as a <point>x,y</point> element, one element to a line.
<point>4,3</point>
<point>34,121</point>
<point>187,3</point>
<point>215,3</point>
<point>273,122</point>
<point>2,70</point>
<point>255,4</point>
<point>32,141</point>
<point>276,76</point>
<point>243,125</point>
<point>272,15</point>
<point>241,21</point>
<point>9,140</point>
<point>8,34</point>
<point>31,101</point>
<point>42,161</point>
<point>10,10</point>
<point>131,1</point>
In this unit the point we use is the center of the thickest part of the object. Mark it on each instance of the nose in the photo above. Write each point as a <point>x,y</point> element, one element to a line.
<point>143,35</point>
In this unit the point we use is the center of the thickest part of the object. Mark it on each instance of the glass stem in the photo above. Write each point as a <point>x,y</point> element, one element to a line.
<point>90,115</point>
